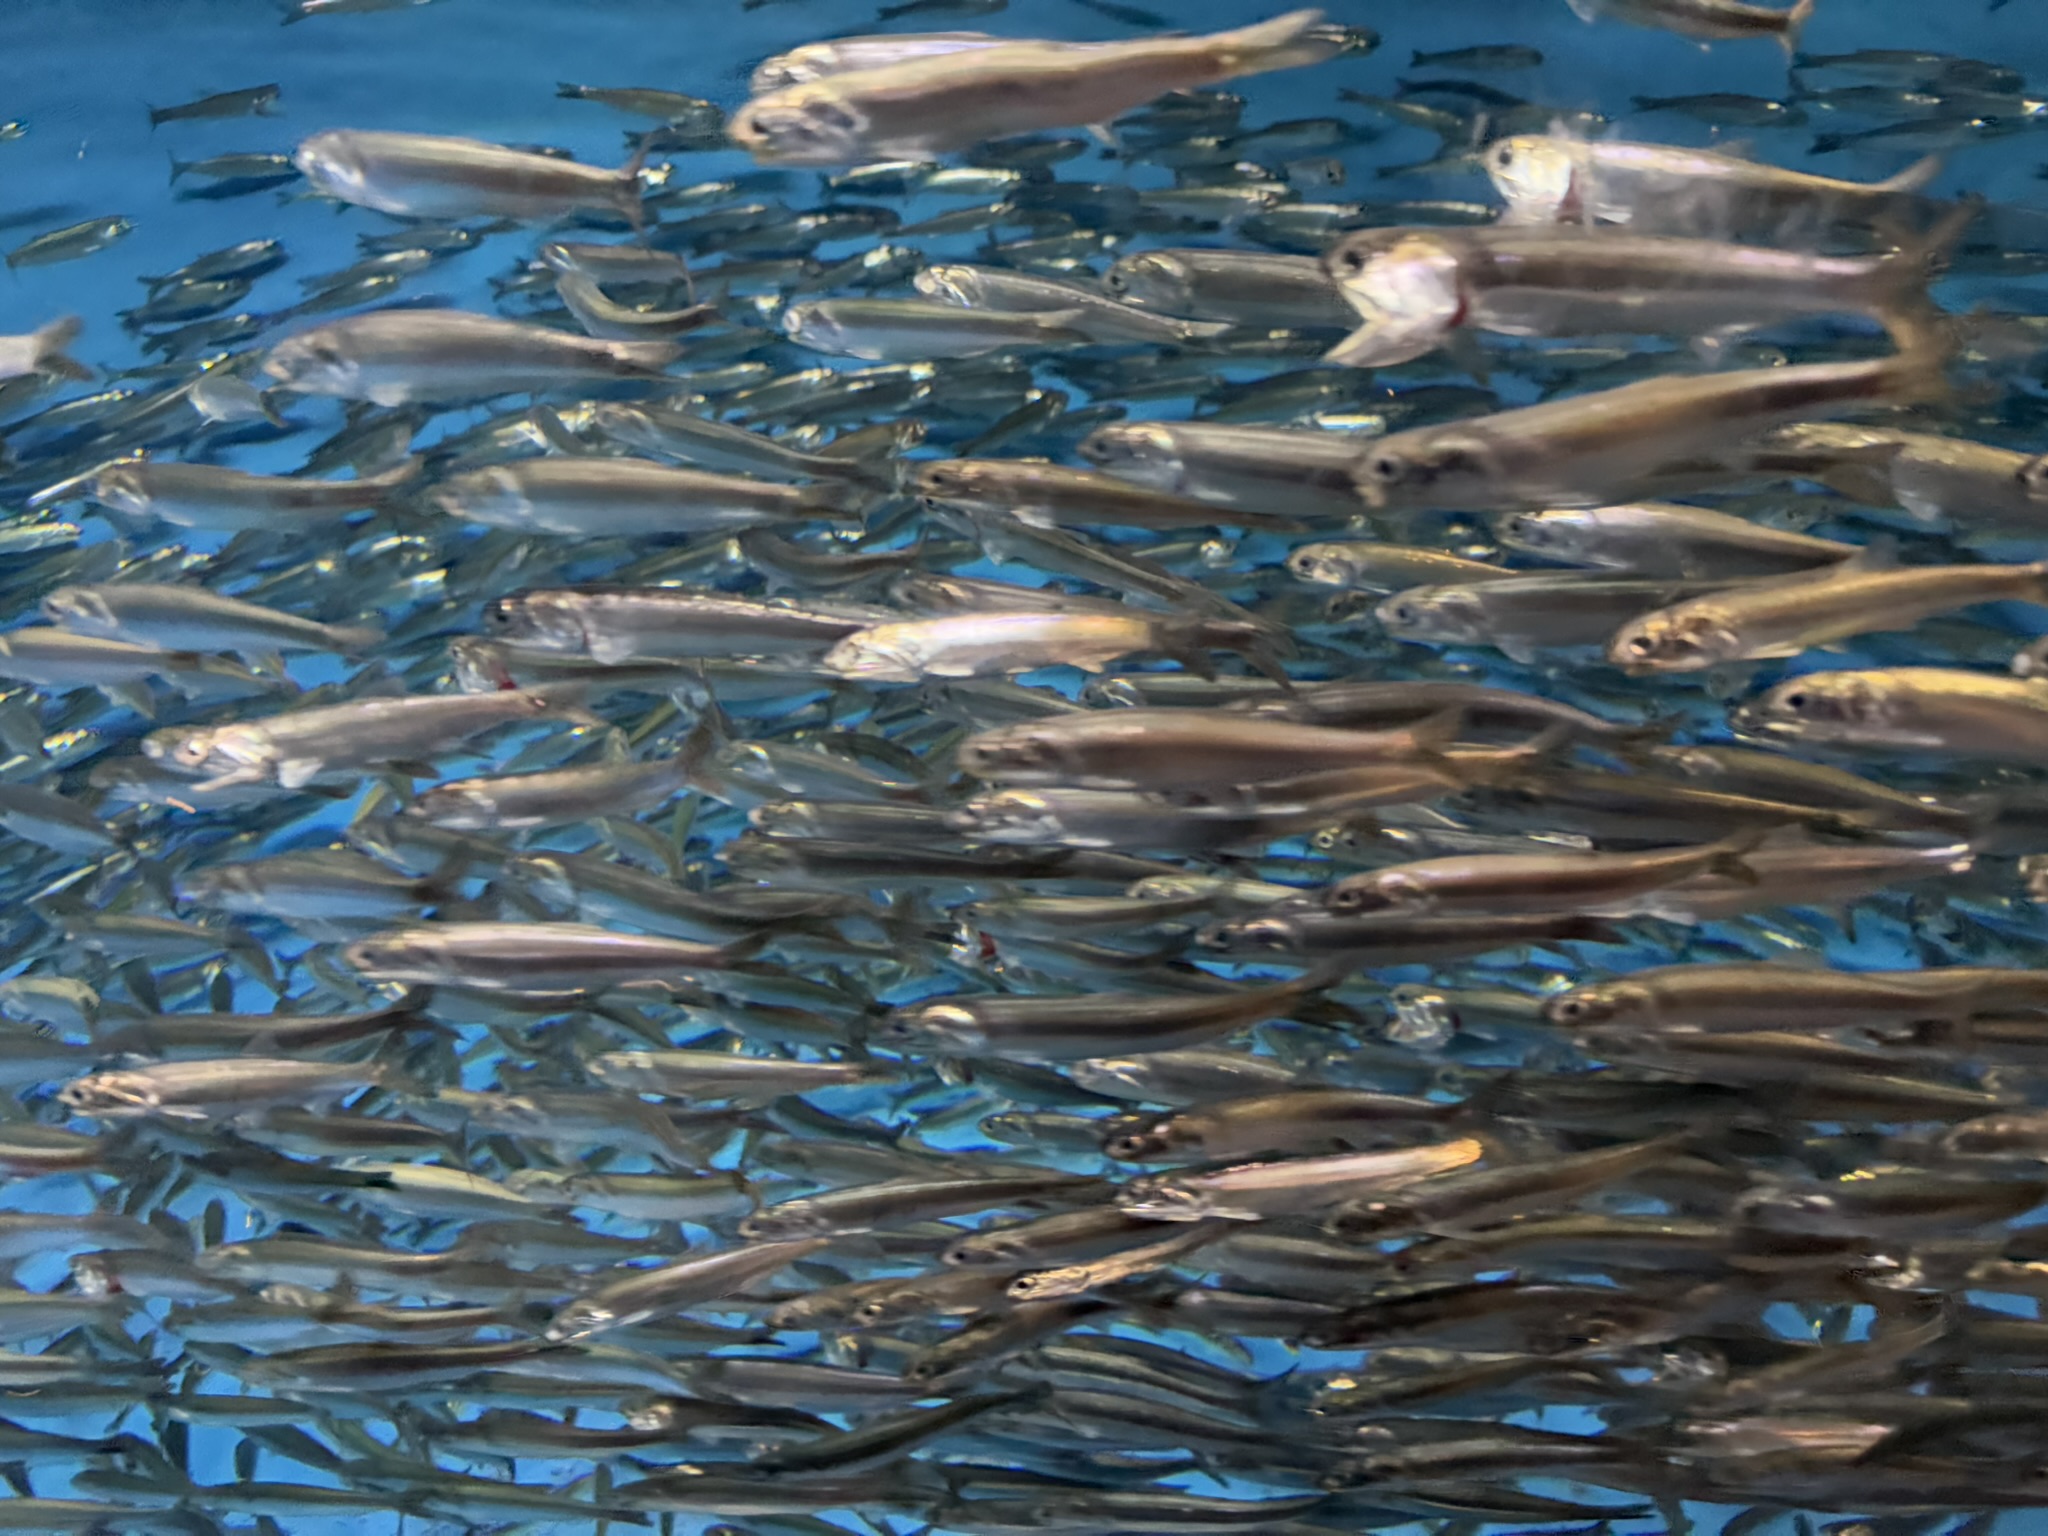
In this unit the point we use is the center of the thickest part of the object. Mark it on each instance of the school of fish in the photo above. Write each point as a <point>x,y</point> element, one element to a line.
<point>1034,825</point>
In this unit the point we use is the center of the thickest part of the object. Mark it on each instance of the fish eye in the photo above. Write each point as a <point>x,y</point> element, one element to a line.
<point>1504,157</point>
<point>1795,700</point>
<point>1351,260</point>
<point>1116,282</point>
<point>1403,613</point>
<point>1642,645</point>
<point>1387,468</point>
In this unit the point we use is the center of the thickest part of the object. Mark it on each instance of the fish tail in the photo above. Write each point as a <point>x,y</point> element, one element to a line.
<point>632,201</point>
<point>846,501</point>
<point>1285,42</point>
<point>354,639</point>
<point>644,356</point>
<point>1913,177</point>
<point>1795,24</point>
<point>50,342</point>
<point>396,478</point>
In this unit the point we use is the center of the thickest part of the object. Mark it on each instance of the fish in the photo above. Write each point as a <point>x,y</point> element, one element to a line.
<point>949,100</point>
<point>1785,615</point>
<point>73,241</point>
<point>1706,21</point>
<point>292,751</point>
<point>1663,539</point>
<point>597,498</point>
<point>983,644</point>
<point>215,497</point>
<point>1943,710</point>
<point>1411,288</point>
<point>188,619</point>
<point>254,101</point>
<point>424,176</point>
<point>1657,189</point>
<point>1583,449</point>
<point>897,330</point>
<point>397,357</point>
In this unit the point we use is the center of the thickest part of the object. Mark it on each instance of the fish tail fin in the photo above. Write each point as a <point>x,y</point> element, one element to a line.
<point>396,478</point>
<point>1285,42</point>
<point>50,342</point>
<point>1731,857</point>
<point>632,201</point>
<point>1795,24</point>
<point>1913,177</point>
<point>354,639</point>
<point>1927,340</point>
<point>645,356</point>
<point>840,501</point>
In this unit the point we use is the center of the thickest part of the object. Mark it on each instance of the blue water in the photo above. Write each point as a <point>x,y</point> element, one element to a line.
<point>82,73</point>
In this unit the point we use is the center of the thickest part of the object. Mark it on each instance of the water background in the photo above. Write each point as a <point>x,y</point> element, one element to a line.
<point>81,74</point>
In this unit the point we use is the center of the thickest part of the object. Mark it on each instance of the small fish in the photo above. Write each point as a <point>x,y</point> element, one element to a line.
<point>1483,56</point>
<point>1705,21</point>
<point>642,101</point>
<point>423,176</point>
<point>255,101</point>
<point>70,243</point>
<point>942,8</point>
<point>945,101</point>
<point>396,357</point>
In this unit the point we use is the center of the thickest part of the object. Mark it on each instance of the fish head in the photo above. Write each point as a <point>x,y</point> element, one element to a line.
<point>400,956</point>
<point>579,1320</point>
<point>949,480</point>
<point>1152,280</point>
<point>459,807</point>
<point>1356,254</point>
<point>121,487</point>
<point>872,653</point>
<point>315,362</point>
<point>80,610</point>
<point>110,1094</point>
<point>2033,477</point>
<point>1600,1004</point>
<point>784,818</point>
<point>189,752</point>
<point>1408,297</point>
<point>540,620</point>
<point>1324,564</point>
<point>479,665</point>
<point>1406,468</point>
<point>787,1222</point>
<point>799,66</point>
<point>812,325</point>
<point>1142,1143</point>
<point>1823,703</point>
<point>949,282</point>
<point>1378,892</point>
<point>997,1249</point>
<point>1141,451</point>
<point>1277,935</point>
<point>807,124</point>
<point>1445,615</point>
<point>1163,1200</point>
<point>1019,752</point>
<point>1009,816</point>
<point>1535,173</point>
<point>210,887</point>
<point>1675,640</point>
<point>930,1026</point>
<point>486,496</point>
<point>334,166</point>
<point>1558,532</point>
